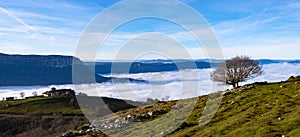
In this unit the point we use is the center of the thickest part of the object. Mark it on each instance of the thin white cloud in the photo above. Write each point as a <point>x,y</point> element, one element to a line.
<point>294,5</point>
<point>261,15</point>
<point>99,5</point>
<point>28,29</point>
<point>58,31</point>
<point>50,4</point>
<point>26,14</point>
<point>246,25</point>
<point>281,51</point>
<point>13,46</point>
<point>18,28</point>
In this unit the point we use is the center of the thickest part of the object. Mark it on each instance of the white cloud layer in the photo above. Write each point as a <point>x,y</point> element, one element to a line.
<point>184,84</point>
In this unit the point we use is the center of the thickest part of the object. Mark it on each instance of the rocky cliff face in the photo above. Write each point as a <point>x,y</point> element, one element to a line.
<point>27,70</point>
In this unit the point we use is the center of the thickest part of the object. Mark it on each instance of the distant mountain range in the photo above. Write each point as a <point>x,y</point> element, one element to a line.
<point>143,67</point>
<point>261,61</point>
<point>159,65</point>
<point>29,70</point>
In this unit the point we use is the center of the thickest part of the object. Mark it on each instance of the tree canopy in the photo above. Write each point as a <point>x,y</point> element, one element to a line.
<point>235,70</point>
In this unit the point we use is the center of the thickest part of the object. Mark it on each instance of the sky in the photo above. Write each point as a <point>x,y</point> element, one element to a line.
<point>260,29</point>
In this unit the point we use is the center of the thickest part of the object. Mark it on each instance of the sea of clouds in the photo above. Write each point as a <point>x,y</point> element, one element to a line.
<point>162,85</point>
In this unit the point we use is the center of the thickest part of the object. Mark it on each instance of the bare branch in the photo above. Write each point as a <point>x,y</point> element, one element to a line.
<point>235,70</point>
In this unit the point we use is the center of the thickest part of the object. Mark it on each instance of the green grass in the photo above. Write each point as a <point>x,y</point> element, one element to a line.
<point>20,101</point>
<point>24,117</point>
<point>248,112</point>
<point>40,105</point>
<point>62,105</point>
<point>253,112</point>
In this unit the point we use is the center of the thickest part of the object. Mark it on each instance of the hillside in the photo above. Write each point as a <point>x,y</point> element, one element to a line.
<point>259,109</point>
<point>48,116</point>
<point>64,105</point>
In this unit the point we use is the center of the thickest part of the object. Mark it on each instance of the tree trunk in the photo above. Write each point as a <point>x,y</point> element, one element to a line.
<point>234,85</point>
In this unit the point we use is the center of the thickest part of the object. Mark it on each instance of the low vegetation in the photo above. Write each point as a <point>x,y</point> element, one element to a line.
<point>263,110</point>
<point>48,116</point>
<point>35,126</point>
<point>41,106</point>
<point>258,109</point>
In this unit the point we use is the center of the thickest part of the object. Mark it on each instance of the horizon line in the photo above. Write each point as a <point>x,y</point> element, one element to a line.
<point>146,59</point>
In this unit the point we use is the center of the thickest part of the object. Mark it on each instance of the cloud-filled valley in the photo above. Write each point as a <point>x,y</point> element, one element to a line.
<point>172,85</point>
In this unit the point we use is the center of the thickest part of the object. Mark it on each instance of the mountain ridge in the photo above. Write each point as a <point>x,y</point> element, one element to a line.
<point>29,70</point>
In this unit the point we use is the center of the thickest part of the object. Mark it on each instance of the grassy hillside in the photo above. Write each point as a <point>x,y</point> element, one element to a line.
<point>264,110</point>
<point>259,109</point>
<point>48,116</point>
<point>40,105</point>
<point>36,126</point>
<point>64,105</point>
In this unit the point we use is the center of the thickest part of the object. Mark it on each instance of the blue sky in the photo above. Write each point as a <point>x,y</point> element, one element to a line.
<point>260,29</point>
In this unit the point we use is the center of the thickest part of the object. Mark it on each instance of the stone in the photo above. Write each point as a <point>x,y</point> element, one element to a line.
<point>150,113</point>
<point>81,132</point>
<point>117,120</point>
<point>129,116</point>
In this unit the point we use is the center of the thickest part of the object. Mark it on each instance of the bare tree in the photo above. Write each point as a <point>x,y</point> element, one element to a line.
<point>235,70</point>
<point>22,94</point>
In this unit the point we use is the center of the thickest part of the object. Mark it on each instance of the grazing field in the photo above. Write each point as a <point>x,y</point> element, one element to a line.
<point>48,116</point>
<point>258,109</point>
<point>41,105</point>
